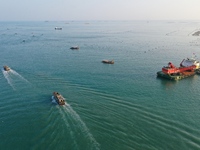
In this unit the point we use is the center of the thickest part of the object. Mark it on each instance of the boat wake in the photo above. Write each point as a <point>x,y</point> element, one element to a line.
<point>9,80</point>
<point>78,127</point>
<point>12,77</point>
<point>53,100</point>
<point>17,74</point>
<point>68,126</point>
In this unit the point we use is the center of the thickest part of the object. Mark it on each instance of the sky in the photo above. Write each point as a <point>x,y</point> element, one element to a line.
<point>62,10</point>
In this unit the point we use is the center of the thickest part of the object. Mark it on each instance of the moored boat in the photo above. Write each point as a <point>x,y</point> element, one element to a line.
<point>190,62</point>
<point>176,76</point>
<point>108,61</point>
<point>176,73</point>
<point>197,71</point>
<point>59,98</point>
<point>74,47</point>
<point>58,28</point>
<point>171,69</point>
<point>6,68</point>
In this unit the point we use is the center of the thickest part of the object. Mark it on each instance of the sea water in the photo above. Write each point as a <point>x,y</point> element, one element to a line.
<point>123,106</point>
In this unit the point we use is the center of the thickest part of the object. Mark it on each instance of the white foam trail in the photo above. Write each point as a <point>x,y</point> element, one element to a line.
<point>83,126</point>
<point>53,100</point>
<point>68,109</point>
<point>68,126</point>
<point>9,80</point>
<point>17,74</point>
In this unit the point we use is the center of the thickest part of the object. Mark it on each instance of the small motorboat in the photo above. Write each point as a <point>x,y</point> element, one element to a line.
<point>59,98</point>
<point>108,61</point>
<point>74,47</point>
<point>6,68</point>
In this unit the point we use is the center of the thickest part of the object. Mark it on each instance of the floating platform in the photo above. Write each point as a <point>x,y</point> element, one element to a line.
<point>177,76</point>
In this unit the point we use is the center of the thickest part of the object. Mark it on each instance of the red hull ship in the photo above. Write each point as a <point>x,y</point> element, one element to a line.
<point>171,69</point>
<point>188,67</point>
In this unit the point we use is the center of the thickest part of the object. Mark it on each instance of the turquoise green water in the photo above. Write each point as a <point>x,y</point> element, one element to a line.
<point>121,107</point>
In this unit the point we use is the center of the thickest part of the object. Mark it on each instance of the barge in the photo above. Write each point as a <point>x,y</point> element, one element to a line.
<point>59,98</point>
<point>176,76</point>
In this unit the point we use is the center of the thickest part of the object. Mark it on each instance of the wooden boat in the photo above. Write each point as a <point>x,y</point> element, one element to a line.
<point>74,47</point>
<point>108,61</point>
<point>6,68</point>
<point>58,28</point>
<point>59,98</point>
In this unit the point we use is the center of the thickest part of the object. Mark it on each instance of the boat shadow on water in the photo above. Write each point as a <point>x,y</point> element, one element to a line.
<point>166,83</point>
<point>171,83</point>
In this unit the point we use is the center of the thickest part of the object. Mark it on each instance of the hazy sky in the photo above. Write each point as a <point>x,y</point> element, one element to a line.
<point>99,10</point>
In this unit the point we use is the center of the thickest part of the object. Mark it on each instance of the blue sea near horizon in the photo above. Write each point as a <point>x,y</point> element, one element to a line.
<point>123,106</point>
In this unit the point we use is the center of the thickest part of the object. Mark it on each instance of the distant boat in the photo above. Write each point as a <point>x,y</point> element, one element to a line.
<point>74,47</point>
<point>108,61</point>
<point>196,33</point>
<point>58,28</point>
<point>6,68</point>
<point>59,98</point>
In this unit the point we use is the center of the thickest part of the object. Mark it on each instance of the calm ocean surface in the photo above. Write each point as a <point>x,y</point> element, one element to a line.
<point>109,107</point>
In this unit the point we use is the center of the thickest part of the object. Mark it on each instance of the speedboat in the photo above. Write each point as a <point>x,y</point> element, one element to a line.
<point>74,47</point>
<point>108,61</point>
<point>6,68</point>
<point>59,98</point>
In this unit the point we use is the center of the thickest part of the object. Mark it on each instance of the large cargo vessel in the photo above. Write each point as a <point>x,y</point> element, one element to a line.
<point>189,62</point>
<point>188,67</point>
